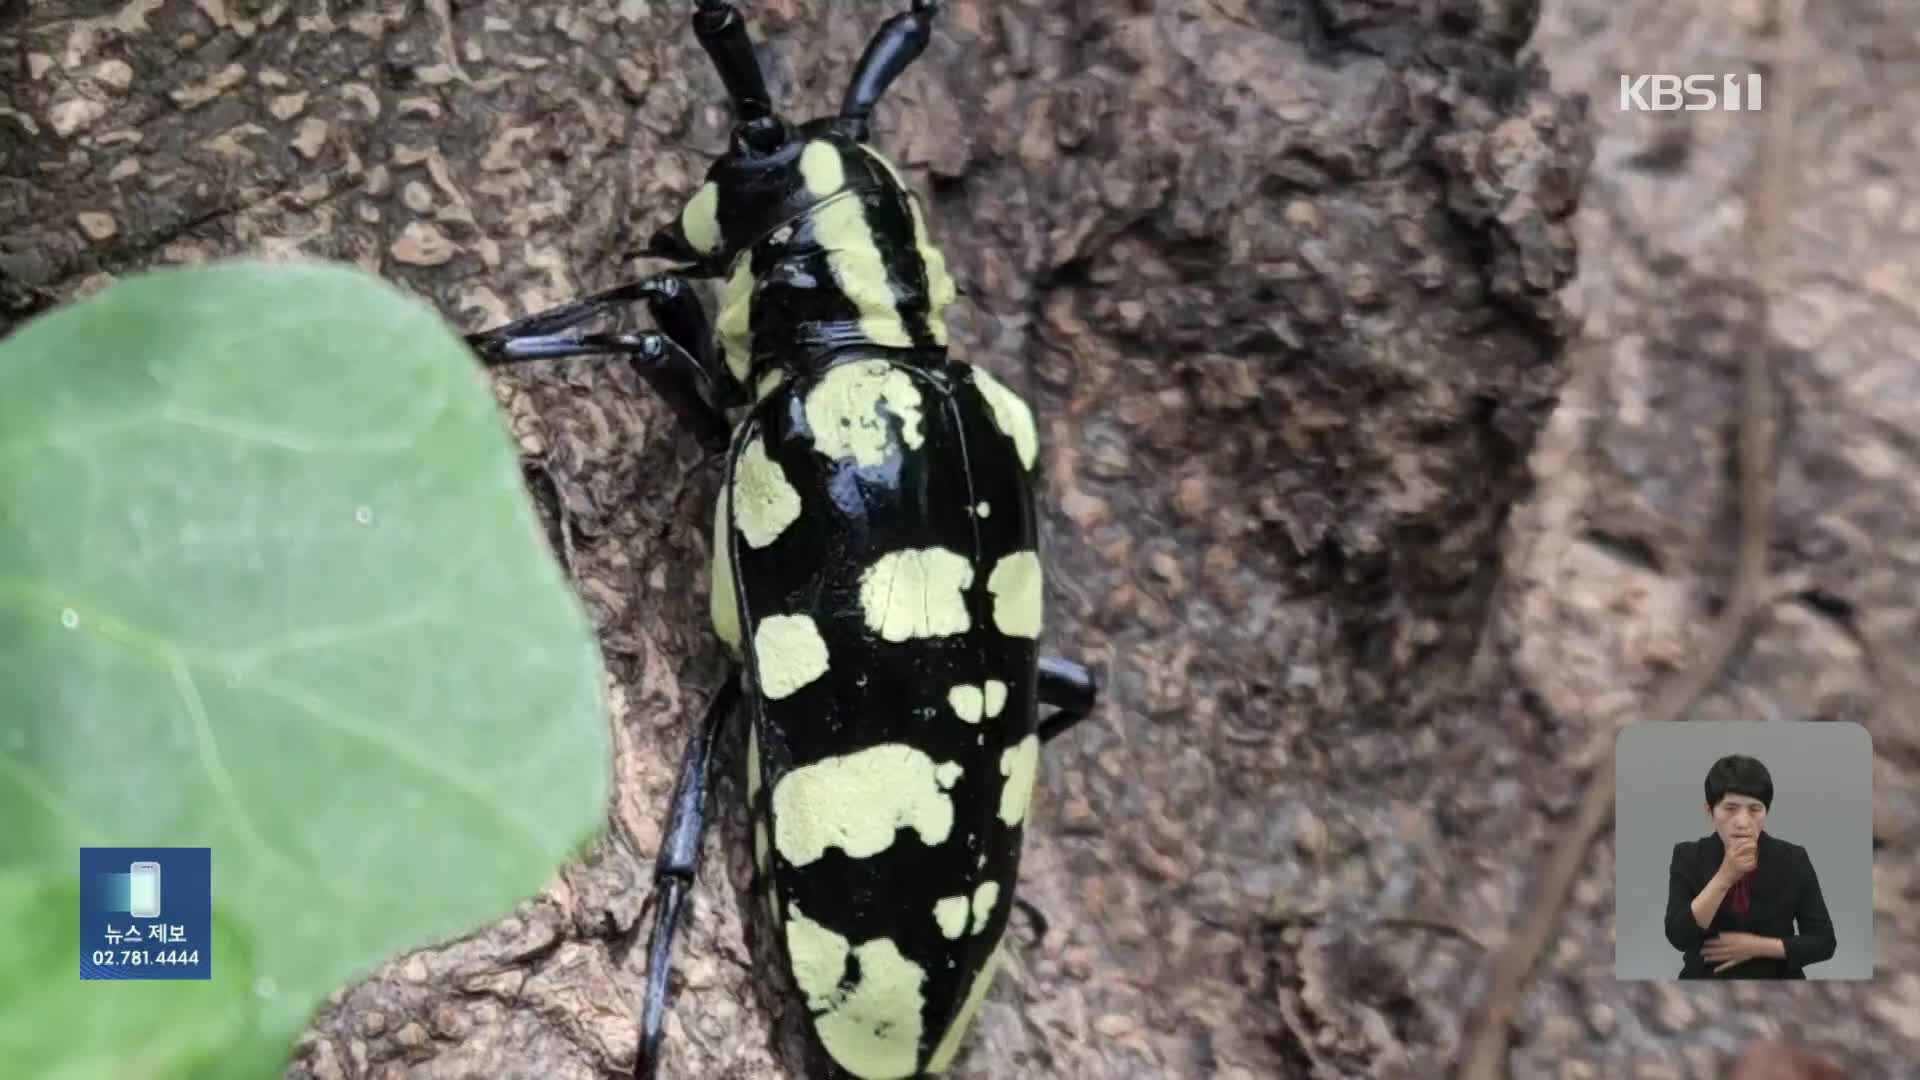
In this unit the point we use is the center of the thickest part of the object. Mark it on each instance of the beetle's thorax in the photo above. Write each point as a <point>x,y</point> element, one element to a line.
<point>847,265</point>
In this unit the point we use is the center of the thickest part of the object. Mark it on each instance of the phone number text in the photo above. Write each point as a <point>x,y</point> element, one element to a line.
<point>142,957</point>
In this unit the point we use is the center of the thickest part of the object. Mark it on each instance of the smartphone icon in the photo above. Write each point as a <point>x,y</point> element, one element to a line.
<point>144,894</point>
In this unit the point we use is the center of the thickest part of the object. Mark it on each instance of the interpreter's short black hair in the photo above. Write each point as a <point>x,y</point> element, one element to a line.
<point>1737,774</point>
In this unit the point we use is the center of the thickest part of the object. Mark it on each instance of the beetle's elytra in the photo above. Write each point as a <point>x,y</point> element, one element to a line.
<point>877,578</point>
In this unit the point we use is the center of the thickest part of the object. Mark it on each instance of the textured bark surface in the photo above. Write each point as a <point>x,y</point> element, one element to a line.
<point>1280,278</point>
<point>1620,562</point>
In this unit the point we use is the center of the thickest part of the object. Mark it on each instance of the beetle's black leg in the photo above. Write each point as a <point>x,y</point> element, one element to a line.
<point>668,297</point>
<point>1070,689</point>
<point>678,361</point>
<point>679,314</point>
<point>675,866</point>
<point>672,371</point>
<point>723,33</point>
<point>1035,916</point>
<point>898,43</point>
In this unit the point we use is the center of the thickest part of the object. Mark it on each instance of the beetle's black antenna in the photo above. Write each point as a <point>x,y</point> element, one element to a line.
<point>723,33</point>
<point>898,43</point>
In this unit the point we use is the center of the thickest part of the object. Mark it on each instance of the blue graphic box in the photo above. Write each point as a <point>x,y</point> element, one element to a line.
<point>146,913</point>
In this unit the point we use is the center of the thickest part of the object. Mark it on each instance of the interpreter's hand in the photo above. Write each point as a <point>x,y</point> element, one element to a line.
<point>1734,947</point>
<point>1741,857</point>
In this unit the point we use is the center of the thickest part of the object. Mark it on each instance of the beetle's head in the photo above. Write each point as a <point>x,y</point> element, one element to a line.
<point>772,170</point>
<point>771,174</point>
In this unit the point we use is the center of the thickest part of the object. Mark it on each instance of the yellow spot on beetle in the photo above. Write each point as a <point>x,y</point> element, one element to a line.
<point>844,411</point>
<point>971,702</point>
<point>791,654</point>
<point>721,604</point>
<point>982,510</point>
<point>760,846</point>
<point>943,1054</point>
<point>840,227</point>
<point>764,502</point>
<point>984,898</point>
<point>948,774</point>
<point>821,170</point>
<point>819,955</point>
<point>996,695</point>
<point>1010,415</point>
<point>940,288</point>
<point>858,802</point>
<point>916,593</point>
<point>735,321</point>
<point>951,913</point>
<point>1017,764</point>
<point>967,702</point>
<point>753,763</point>
<point>871,1028</point>
<point>700,221</point>
<point>1015,585</point>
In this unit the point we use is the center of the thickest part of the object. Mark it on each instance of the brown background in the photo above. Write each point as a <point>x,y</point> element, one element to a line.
<point>1374,534</point>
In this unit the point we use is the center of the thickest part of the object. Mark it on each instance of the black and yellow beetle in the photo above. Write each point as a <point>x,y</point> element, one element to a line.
<point>876,574</point>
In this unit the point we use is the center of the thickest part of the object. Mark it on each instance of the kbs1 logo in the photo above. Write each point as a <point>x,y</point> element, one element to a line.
<point>1694,93</point>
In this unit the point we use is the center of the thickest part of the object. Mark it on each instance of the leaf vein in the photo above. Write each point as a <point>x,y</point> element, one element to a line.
<point>213,763</point>
<point>83,829</point>
<point>445,773</point>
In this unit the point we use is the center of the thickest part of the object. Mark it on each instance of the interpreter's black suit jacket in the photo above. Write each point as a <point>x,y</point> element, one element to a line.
<point>1785,892</point>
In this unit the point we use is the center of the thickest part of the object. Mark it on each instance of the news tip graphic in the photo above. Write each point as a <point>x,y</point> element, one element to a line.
<point>146,913</point>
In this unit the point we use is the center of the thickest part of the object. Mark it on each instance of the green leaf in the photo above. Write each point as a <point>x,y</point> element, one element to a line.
<point>55,1027</point>
<point>270,584</point>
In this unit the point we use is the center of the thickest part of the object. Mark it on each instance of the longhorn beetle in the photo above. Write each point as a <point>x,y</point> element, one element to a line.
<point>876,578</point>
